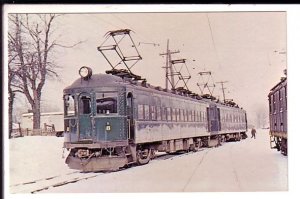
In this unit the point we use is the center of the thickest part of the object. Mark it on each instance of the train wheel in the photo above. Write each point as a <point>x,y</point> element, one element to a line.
<point>196,146</point>
<point>205,141</point>
<point>143,157</point>
<point>223,138</point>
<point>278,143</point>
<point>237,137</point>
<point>284,146</point>
<point>192,148</point>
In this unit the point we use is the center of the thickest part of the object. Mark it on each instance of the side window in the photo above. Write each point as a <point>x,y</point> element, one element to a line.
<point>158,113</point>
<point>169,114</point>
<point>181,115</point>
<point>163,113</point>
<point>185,115</point>
<point>193,116</point>
<point>200,116</point>
<point>189,116</point>
<point>275,102</point>
<point>85,105</point>
<point>285,94</point>
<point>177,114</point>
<point>140,112</point>
<point>282,103</point>
<point>173,110</point>
<point>69,105</point>
<point>153,113</point>
<point>270,105</point>
<point>146,111</point>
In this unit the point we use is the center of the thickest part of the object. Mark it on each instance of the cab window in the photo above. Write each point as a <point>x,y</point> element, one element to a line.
<point>85,105</point>
<point>69,105</point>
<point>106,103</point>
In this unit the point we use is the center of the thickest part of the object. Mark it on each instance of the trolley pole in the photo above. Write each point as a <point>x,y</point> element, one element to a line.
<point>205,83</point>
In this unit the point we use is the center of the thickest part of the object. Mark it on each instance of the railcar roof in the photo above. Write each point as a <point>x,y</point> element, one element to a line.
<point>278,85</point>
<point>96,80</point>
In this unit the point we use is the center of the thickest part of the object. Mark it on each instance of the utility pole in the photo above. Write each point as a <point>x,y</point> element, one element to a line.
<point>169,67</point>
<point>222,84</point>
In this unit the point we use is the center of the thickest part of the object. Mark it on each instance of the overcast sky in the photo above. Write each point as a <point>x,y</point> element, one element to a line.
<point>247,49</point>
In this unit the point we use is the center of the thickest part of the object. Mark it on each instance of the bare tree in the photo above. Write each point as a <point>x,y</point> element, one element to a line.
<point>12,79</point>
<point>31,43</point>
<point>13,74</point>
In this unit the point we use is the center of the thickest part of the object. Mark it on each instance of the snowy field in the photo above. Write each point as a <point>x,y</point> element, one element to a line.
<point>36,164</point>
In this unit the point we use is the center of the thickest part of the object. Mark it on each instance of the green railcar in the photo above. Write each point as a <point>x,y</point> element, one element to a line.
<point>112,121</point>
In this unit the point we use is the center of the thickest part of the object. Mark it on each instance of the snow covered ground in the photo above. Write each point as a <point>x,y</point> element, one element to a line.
<point>249,165</point>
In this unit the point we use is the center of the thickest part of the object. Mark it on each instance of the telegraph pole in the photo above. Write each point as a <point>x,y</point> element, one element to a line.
<point>169,67</point>
<point>222,84</point>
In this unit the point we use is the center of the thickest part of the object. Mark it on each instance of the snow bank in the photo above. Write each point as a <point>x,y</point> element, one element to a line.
<point>35,157</point>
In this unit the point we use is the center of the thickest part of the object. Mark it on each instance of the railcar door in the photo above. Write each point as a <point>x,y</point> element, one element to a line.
<point>130,122</point>
<point>213,117</point>
<point>85,116</point>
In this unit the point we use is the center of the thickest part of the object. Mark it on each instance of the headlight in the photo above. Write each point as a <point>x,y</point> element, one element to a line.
<point>85,72</point>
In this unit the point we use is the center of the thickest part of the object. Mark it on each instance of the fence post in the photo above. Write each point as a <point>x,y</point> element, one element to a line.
<point>20,130</point>
<point>53,129</point>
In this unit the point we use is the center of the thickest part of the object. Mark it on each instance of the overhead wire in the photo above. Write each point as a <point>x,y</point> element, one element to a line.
<point>213,41</point>
<point>98,17</point>
<point>142,37</point>
<point>215,48</point>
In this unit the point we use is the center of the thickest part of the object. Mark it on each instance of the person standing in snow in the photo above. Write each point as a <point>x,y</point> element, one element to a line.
<point>253,132</point>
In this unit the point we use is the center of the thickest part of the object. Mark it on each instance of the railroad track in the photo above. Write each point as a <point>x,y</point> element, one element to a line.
<point>38,185</point>
<point>35,186</point>
<point>165,156</point>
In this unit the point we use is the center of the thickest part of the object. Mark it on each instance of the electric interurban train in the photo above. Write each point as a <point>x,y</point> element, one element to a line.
<point>278,116</point>
<point>112,121</point>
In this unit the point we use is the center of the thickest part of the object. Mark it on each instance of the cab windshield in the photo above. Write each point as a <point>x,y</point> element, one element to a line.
<point>106,103</point>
